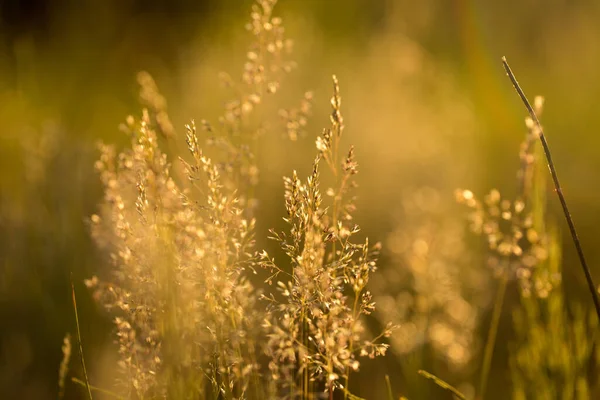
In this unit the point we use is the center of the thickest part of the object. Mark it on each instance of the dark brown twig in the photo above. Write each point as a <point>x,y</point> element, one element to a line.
<point>557,187</point>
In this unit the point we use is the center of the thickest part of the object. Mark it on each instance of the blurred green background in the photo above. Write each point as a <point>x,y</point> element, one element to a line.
<point>425,100</point>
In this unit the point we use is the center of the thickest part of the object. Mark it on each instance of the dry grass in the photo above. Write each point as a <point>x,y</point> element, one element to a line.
<point>193,322</point>
<point>188,321</point>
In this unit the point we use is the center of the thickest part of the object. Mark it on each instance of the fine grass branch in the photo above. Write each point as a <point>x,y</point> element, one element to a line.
<point>85,375</point>
<point>557,187</point>
<point>443,384</point>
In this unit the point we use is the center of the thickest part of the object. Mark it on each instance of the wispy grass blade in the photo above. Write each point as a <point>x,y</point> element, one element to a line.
<point>97,389</point>
<point>388,384</point>
<point>85,375</point>
<point>490,343</point>
<point>442,384</point>
<point>557,187</point>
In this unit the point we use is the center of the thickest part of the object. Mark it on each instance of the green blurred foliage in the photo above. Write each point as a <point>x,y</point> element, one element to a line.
<point>425,99</point>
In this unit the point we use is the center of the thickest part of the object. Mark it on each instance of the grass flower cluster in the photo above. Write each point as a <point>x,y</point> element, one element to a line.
<point>317,328</point>
<point>188,320</point>
<point>186,307</point>
<point>514,238</point>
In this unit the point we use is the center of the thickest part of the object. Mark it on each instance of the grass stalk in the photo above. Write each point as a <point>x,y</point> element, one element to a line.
<point>97,389</point>
<point>557,187</point>
<point>442,384</point>
<point>351,346</point>
<point>491,338</point>
<point>85,375</point>
<point>305,344</point>
<point>388,385</point>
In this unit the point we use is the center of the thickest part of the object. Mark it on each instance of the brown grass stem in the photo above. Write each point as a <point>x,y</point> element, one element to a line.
<point>85,375</point>
<point>557,187</point>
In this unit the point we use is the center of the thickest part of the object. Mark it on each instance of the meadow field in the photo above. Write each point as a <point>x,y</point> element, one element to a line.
<point>299,199</point>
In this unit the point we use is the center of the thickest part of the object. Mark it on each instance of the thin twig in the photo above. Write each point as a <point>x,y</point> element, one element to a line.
<point>557,187</point>
<point>442,384</point>
<point>85,375</point>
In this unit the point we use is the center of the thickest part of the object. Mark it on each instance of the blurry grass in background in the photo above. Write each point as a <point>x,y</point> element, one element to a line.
<point>425,102</point>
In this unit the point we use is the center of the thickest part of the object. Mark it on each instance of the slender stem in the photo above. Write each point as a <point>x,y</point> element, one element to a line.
<point>442,384</point>
<point>85,375</point>
<point>491,338</point>
<point>388,384</point>
<point>351,346</point>
<point>97,389</point>
<point>305,344</point>
<point>557,187</point>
